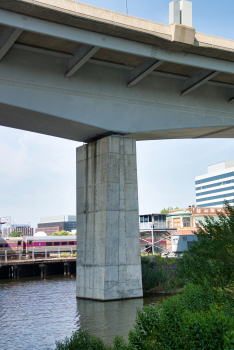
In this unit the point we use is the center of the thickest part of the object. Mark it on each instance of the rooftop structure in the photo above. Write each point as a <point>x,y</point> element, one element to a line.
<point>180,12</point>
<point>59,218</point>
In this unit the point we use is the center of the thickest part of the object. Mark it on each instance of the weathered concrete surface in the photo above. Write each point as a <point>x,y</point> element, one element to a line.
<point>108,245</point>
<point>183,34</point>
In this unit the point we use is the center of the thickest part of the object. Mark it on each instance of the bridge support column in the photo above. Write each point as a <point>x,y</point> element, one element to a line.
<point>108,241</point>
<point>67,269</point>
<point>43,269</point>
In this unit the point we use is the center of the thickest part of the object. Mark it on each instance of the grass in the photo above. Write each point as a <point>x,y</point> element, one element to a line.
<point>158,276</point>
<point>65,255</point>
<point>158,260</point>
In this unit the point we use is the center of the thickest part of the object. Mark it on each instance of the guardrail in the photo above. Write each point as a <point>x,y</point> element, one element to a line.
<point>43,254</point>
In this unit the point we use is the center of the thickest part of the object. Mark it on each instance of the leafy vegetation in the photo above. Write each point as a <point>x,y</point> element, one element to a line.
<point>17,234</point>
<point>166,210</point>
<point>158,275</point>
<point>82,340</point>
<point>158,260</point>
<point>200,318</point>
<point>211,259</point>
<point>62,233</point>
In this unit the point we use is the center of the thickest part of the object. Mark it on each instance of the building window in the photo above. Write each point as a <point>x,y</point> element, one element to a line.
<point>146,218</point>
<point>213,178</point>
<point>150,218</point>
<point>48,243</point>
<point>224,195</point>
<point>186,222</point>
<point>175,240</point>
<point>155,218</point>
<point>185,238</point>
<point>169,223</point>
<point>176,223</point>
<point>141,219</point>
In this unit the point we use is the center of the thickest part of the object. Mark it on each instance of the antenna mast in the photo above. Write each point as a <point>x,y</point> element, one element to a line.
<point>126,5</point>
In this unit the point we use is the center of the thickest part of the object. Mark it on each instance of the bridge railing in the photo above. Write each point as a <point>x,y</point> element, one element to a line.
<point>43,254</point>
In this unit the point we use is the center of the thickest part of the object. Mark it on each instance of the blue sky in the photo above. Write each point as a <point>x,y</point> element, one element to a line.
<point>37,172</point>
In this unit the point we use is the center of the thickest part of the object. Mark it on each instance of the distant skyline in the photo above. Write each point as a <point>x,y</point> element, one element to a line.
<point>38,172</point>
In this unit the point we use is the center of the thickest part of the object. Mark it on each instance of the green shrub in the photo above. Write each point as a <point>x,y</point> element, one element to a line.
<point>211,259</point>
<point>200,318</point>
<point>81,340</point>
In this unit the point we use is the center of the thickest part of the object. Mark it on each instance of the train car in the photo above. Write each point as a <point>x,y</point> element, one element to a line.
<point>13,245</point>
<point>26,245</point>
<point>51,243</point>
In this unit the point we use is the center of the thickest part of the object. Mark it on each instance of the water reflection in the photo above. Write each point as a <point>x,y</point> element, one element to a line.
<point>34,313</point>
<point>105,320</point>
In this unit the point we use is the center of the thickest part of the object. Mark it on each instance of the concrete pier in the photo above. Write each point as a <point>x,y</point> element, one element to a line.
<point>108,245</point>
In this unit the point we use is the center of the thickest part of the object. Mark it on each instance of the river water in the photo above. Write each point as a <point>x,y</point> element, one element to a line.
<point>34,313</point>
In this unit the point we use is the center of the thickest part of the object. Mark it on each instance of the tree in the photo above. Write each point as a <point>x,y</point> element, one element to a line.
<point>211,259</point>
<point>17,234</point>
<point>166,210</point>
<point>62,233</point>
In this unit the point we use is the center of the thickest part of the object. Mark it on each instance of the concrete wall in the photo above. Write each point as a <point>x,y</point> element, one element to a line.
<point>108,241</point>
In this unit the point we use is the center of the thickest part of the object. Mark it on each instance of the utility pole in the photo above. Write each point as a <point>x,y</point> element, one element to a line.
<point>152,232</point>
<point>126,5</point>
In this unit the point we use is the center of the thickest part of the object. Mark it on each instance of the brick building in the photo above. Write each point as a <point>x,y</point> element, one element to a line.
<point>48,230</point>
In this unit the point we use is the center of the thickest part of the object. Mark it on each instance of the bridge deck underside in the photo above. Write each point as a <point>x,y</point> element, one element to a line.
<point>95,102</point>
<point>35,96</point>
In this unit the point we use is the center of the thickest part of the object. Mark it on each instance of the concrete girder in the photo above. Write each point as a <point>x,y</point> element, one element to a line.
<point>112,43</point>
<point>197,80</point>
<point>43,51</point>
<point>7,39</point>
<point>142,71</point>
<point>80,57</point>
<point>210,134</point>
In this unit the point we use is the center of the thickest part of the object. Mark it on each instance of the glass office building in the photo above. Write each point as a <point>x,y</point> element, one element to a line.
<point>215,186</point>
<point>64,222</point>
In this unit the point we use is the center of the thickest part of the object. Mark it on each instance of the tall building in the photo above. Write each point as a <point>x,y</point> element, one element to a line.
<point>26,229</point>
<point>63,222</point>
<point>215,186</point>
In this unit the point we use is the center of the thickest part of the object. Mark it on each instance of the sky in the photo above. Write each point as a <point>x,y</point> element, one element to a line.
<point>38,174</point>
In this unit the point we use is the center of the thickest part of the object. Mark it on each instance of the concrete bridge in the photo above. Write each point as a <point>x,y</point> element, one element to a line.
<point>82,73</point>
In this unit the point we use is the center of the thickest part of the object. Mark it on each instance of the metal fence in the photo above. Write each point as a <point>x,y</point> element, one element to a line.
<point>43,254</point>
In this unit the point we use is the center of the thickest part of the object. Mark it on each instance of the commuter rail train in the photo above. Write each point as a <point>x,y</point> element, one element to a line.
<point>26,245</point>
